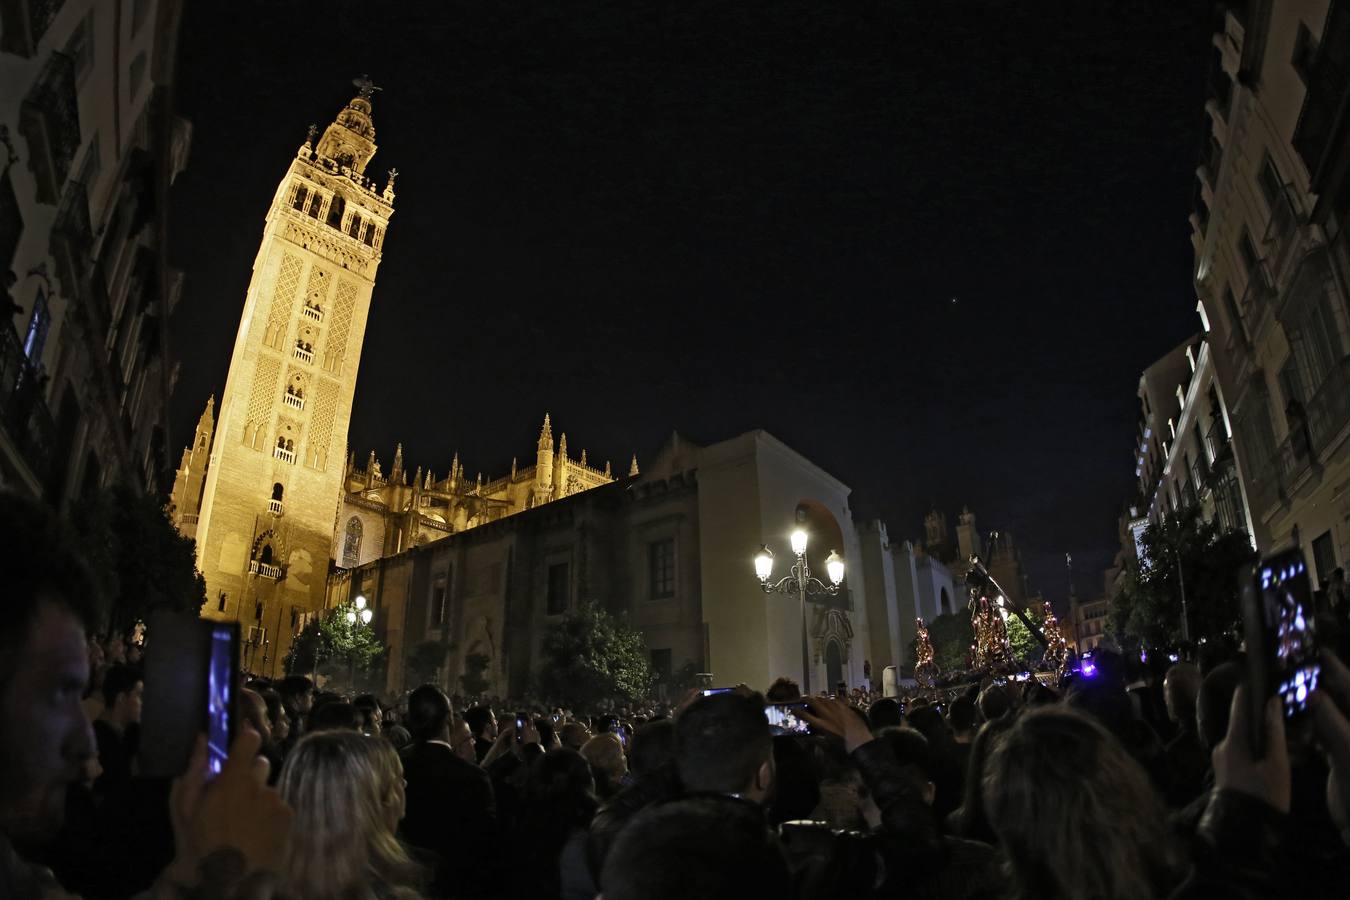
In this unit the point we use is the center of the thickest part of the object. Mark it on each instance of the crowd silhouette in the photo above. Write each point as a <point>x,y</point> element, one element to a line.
<point>1138,782</point>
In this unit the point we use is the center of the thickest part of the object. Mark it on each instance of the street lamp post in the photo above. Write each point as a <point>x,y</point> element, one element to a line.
<point>800,581</point>
<point>358,616</point>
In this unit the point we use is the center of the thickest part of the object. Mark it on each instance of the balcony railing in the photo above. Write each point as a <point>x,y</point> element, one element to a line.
<point>50,121</point>
<point>1326,415</point>
<point>266,570</point>
<point>312,312</point>
<point>25,22</point>
<point>1228,500</point>
<point>286,456</point>
<point>1329,409</point>
<point>293,400</point>
<point>305,356</point>
<point>72,239</point>
<point>189,519</point>
<point>274,507</point>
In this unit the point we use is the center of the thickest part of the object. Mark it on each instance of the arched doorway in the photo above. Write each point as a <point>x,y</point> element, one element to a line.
<point>834,666</point>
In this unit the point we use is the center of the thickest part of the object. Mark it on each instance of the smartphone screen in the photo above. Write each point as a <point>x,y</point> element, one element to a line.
<point>1286,600</point>
<point>785,718</point>
<point>220,688</point>
<point>708,692</point>
<point>520,728</point>
<point>190,671</point>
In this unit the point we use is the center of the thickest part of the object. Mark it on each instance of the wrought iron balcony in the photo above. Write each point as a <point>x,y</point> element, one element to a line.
<point>312,312</point>
<point>50,121</point>
<point>293,400</point>
<point>274,507</point>
<point>24,22</point>
<point>1329,408</point>
<point>188,519</point>
<point>305,356</point>
<point>286,456</point>
<point>72,239</point>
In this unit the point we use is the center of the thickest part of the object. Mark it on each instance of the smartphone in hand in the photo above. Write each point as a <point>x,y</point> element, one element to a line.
<point>785,717</point>
<point>1281,636</point>
<point>191,688</point>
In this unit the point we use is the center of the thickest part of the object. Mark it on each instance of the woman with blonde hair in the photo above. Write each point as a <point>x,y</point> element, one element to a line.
<point>605,754</point>
<point>347,792</point>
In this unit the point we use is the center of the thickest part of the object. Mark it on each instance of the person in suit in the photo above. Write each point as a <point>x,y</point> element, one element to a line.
<point>451,814</point>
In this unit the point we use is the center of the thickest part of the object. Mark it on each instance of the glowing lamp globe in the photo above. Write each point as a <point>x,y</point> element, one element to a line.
<point>834,565</point>
<point>360,601</point>
<point>798,541</point>
<point>351,617</point>
<point>764,563</point>
<point>366,616</point>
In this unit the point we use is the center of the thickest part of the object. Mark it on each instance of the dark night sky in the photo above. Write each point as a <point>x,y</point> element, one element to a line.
<point>713,217</point>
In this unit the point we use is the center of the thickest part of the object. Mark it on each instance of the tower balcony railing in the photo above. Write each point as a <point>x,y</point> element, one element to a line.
<point>286,456</point>
<point>50,121</point>
<point>266,570</point>
<point>312,312</point>
<point>293,400</point>
<point>305,356</point>
<point>189,519</point>
<point>274,507</point>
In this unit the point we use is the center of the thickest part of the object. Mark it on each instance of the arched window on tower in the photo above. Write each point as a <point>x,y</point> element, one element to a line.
<point>316,201</point>
<point>354,226</point>
<point>277,491</point>
<point>265,557</point>
<point>351,544</point>
<point>336,208</point>
<point>369,237</point>
<point>301,195</point>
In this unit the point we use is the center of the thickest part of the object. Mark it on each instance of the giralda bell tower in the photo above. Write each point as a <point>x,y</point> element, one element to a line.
<point>274,478</point>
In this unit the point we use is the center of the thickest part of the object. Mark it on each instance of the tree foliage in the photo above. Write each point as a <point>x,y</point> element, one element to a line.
<point>1026,648</point>
<point>951,636</point>
<point>474,680</point>
<point>1181,548</point>
<point>140,563</point>
<point>423,663</point>
<point>348,653</point>
<point>590,657</point>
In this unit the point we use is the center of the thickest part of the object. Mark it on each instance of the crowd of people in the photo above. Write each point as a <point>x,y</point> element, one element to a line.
<point>1136,782</point>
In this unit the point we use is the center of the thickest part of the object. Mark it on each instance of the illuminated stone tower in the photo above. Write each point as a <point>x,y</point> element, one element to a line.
<point>274,481</point>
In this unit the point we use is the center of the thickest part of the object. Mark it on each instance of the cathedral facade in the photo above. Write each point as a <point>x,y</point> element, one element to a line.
<point>382,515</point>
<point>263,500</point>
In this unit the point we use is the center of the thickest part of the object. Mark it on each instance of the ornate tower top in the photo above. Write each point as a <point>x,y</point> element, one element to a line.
<point>350,140</point>
<point>546,435</point>
<point>633,468</point>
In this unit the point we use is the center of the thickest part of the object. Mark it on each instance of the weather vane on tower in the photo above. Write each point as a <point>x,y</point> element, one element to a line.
<point>365,87</point>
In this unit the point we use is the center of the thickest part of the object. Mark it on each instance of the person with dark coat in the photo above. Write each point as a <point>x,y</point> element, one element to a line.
<point>451,812</point>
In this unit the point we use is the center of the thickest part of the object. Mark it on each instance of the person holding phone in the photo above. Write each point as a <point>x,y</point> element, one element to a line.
<point>47,737</point>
